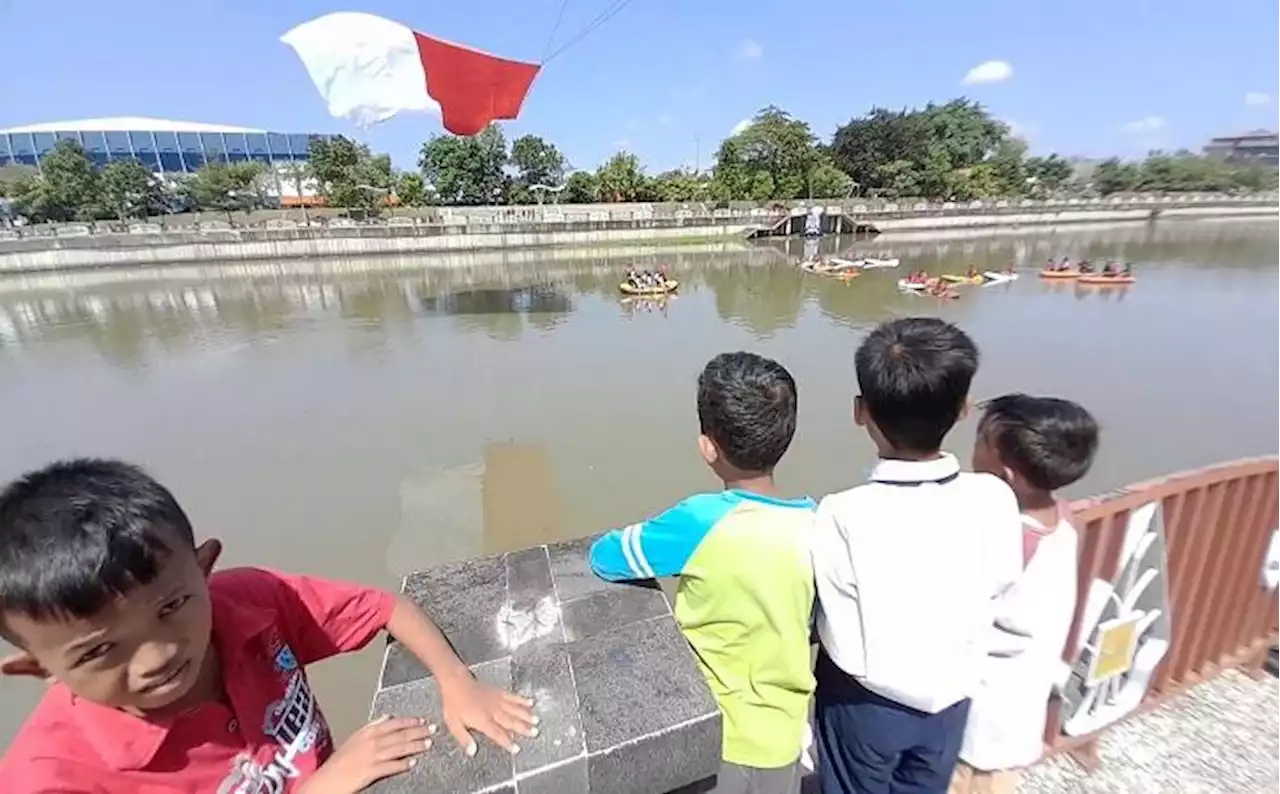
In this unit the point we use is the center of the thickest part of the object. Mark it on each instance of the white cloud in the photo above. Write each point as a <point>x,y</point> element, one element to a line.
<point>988,72</point>
<point>1146,126</point>
<point>1256,98</point>
<point>622,143</point>
<point>740,127</point>
<point>666,119</point>
<point>750,50</point>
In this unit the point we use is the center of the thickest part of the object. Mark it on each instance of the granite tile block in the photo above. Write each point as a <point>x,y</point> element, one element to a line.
<point>567,777</point>
<point>572,571</point>
<point>638,681</point>
<point>620,605</point>
<point>676,757</point>
<point>623,708</point>
<point>546,676</point>
<point>445,767</point>
<point>465,600</point>
<point>399,667</point>
<point>531,618</point>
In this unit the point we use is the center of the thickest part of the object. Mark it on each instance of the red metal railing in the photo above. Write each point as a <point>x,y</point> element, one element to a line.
<point>1218,522</point>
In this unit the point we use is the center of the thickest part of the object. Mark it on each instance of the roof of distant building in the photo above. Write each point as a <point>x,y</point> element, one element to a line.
<point>1245,136</point>
<point>128,123</point>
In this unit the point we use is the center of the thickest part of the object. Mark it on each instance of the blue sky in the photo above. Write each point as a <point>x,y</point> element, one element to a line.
<point>668,79</point>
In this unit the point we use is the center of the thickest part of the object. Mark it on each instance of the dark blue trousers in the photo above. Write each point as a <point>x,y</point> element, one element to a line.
<point>868,744</point>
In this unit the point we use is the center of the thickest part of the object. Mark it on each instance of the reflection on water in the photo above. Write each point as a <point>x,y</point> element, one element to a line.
<point>126,318</point>
<point>367,418</point>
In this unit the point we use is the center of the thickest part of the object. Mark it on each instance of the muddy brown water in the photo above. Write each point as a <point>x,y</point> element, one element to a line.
<point>363,419</point>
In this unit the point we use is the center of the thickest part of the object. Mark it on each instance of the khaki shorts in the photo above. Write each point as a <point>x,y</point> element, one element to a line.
<point>967,780</point>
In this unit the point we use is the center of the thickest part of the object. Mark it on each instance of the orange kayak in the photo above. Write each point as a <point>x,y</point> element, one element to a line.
<point>1100,280</point>
<point>1060,274</point>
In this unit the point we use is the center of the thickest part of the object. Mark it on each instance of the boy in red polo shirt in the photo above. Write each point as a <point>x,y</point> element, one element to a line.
<point>167,677</point>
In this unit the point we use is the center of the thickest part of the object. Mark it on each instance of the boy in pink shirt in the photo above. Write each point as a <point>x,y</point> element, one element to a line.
<point>167,677</point>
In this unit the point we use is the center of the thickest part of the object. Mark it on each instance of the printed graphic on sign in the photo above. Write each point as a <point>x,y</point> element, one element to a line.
<point>1124,631</point>
<point>1116,641</point>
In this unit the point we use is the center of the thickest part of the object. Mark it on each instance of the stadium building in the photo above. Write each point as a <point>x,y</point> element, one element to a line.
<point>163,146</point>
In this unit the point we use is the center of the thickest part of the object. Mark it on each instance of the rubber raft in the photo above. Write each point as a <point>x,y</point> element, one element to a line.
<point>1060,274</point>
<point>1103,280</point>
<point>630,289</point>
<point>997,277</point>
<point>952,278</point>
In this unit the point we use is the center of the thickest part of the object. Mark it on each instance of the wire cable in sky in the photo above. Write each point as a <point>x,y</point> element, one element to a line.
<point>589,28</point>
<point>554,29</point>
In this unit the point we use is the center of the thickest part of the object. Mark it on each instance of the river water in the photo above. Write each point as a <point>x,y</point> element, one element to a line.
<point>361,419</point>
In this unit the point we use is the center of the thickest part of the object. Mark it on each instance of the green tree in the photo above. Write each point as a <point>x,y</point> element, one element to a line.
<point>411,190</point>
<point>1113,176</point>
<point>225,187</point>
<point>68,184</point>
<point>1050,173</point>
<point>347,174</point>
<point>621,178</point>
<point>537,162</point>
<point>128,189</point>
<point>782,147</point>
<point>582,188</point>
<point>679,184</point>
<point>826,180</point>
<point>1008,170</point>
<point>466,170</point>
<point>730,180</point>
<point>883,151</point>
<point>928,152</point>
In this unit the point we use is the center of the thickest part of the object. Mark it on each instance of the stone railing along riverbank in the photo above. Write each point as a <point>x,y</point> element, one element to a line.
<point>1177,583</point>
<point>278,235</point>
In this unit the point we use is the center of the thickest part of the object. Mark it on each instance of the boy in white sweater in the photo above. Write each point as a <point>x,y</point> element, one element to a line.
<point>1037,445</point>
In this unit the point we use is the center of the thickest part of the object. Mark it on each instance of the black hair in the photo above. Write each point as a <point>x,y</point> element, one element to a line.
<point>78,533</point>
<point>914,375</point>
<point>1049,441</point>
<point>747,406</point>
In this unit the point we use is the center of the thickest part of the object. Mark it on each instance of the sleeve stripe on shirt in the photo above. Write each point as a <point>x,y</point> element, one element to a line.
<point>626,551</point>
<point>635,552</point>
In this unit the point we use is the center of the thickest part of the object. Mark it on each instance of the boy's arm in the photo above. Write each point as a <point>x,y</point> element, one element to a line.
<point>468,704</point>
<point>322,618</point>
<point>660,546</point>
<point>835,580</point>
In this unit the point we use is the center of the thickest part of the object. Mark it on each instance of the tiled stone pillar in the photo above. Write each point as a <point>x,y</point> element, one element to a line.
<point>623,706</point>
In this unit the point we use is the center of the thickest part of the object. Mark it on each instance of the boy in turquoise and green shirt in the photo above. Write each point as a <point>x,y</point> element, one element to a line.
<point>746,581</point>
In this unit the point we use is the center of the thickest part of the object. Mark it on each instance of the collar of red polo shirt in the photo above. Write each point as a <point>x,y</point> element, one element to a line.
<point>368,69</point>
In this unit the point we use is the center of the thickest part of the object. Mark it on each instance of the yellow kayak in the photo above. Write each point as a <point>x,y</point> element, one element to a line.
<point>954,279</point>
<point>628,289</point>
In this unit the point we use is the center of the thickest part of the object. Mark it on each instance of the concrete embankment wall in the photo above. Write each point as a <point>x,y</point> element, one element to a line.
<point>248,245</point>
<point>73,248</point>
<point>1051,218</point>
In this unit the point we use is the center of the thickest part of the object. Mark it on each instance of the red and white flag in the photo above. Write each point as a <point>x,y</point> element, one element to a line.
<point>369,68</point>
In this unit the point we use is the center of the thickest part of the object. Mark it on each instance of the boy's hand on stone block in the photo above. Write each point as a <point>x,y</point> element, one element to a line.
<point>470,705</point>
<point>385,747</point>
